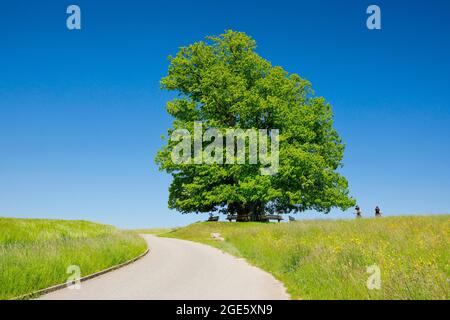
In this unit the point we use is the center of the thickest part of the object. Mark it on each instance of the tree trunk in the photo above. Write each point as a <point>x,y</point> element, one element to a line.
<point>257,211</point>
<point>243,214</point>
<point>249,212</point>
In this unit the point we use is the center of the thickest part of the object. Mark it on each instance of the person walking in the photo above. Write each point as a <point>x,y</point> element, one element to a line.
<point>377,211</point>
<point>358,211</point>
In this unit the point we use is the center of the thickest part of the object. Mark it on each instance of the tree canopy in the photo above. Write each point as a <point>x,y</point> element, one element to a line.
<point>223,83</point>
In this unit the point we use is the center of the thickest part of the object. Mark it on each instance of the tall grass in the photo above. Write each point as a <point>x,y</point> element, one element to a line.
<point>35,254</point>
<point>329,259</point>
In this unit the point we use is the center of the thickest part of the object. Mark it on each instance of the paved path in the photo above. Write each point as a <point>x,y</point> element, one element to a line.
<point>178,269</point>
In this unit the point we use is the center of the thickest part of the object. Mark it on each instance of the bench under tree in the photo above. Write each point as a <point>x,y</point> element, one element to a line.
<point>263,218</point>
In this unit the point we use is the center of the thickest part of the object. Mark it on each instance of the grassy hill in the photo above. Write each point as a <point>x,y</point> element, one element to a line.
<point>35,254</point>
<point>329,259</point>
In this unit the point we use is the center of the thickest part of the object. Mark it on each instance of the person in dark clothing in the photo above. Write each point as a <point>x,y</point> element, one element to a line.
<point>377,212</point>
<point>358,211</point>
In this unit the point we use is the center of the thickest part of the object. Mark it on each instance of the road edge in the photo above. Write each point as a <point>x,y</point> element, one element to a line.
<point>60,286</point>
<point>245,260</point>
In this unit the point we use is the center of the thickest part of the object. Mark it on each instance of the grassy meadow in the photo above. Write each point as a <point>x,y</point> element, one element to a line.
<point>35,254</point>
<point>329,259</point>
<point>154,231</point>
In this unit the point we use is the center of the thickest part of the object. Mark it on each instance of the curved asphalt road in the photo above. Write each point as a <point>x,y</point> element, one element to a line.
<point>177,270</point>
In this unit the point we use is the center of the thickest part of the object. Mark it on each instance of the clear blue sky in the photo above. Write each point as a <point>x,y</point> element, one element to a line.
<point>81,112</point>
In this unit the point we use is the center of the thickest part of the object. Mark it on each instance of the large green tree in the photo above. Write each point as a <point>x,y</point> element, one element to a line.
<point>224,83</point>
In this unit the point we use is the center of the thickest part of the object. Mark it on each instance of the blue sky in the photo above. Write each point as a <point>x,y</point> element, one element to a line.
<point>81,112</point>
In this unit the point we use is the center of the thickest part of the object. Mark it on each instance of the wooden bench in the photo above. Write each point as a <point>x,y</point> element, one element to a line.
<point>213,218</point>
<point>269,217</point>
<point>232,217</point>
<point>265,218</point>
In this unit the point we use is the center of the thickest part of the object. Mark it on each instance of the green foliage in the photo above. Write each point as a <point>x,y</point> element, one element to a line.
<point>224,83</point>
<point>329,259</point>
<point>35,254</point>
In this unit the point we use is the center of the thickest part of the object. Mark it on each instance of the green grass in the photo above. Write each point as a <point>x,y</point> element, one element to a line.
<point>155,231</point>
<point>329,259</point>
<point>35,254</point>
